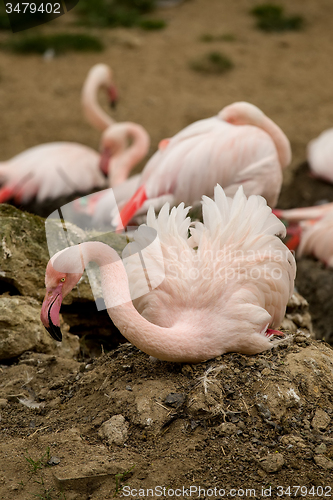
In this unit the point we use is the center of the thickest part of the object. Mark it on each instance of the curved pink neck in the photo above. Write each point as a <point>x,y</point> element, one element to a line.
<point>122,163</point>
<point>93,113</point>
<point>169,344</point>
<point>281,141</point>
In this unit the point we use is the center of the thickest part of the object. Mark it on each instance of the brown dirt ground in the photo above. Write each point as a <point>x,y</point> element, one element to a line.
<point>287,75</point>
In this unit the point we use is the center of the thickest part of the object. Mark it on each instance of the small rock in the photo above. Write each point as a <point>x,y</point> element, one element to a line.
<point>227,428</point>
<point>53,461</point>
<point>320,449</point>
<point>272,463</point>
<point>321,420</point>
<point>114,430</point>
<point>175,399</point>
<point>266,371</point>
<point>187,370</point>
<point>263,411</point>
<point>3,402</point>
<point>323,462</point>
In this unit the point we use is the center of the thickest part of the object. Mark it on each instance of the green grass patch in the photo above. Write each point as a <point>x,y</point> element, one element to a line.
<point>212,63</point>
<point>272,18</point>
<point>60,43</point>
<point>152,24</point>
<point>112,13</point>
<point>226,37</point>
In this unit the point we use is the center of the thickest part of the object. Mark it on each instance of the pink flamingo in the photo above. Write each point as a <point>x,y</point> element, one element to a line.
<point>224,286</point>
<point>311,231</point>
<point>123,146</point>
<point>320,155</point>
<point>239,146</point>
<point>58,169</point>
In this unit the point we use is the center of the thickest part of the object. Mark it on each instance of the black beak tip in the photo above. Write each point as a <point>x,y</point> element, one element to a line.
<point>55,332</point>
<point>113,104</point>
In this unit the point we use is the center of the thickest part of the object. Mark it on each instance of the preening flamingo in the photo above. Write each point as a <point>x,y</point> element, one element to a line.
<point>51,170</point>
<point>311,231</point>
<point>123,146</point>
<point>239,146</point>
<point>224,286</point>
<point>320,155</point>
<point>99,76</point>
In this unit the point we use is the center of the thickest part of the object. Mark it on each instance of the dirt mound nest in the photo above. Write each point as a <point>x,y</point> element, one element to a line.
<point>124,418</point>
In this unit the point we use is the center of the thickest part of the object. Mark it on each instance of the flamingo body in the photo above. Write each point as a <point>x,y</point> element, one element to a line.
<point>320,155</point>
<point>223,286</point>
<point>49,171</point>
<point>239,146</point>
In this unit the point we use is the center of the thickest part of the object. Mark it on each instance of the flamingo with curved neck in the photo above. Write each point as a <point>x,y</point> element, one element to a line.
<point>99,76</point>
<point>123,146</point>
<point>239,146</point>
<point>203,307</point>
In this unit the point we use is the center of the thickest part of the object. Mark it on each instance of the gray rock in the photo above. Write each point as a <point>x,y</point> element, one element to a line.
<point>114,430</point>
<point>272,463</point>
<point>321,420</point>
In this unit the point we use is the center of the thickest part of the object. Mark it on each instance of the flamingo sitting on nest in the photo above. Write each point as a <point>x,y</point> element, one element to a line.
<point>225,286</point>
<point>51,170</point>
<point>239,146</point>
<point>311,230</point>
<point>320,155</point>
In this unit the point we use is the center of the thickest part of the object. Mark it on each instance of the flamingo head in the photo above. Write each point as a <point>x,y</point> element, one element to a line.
<point>241,113</point>
<point>58,285</point>
<point>112,95</point>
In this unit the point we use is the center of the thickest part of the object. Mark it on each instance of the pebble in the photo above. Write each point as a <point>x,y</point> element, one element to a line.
<point>227,428</point>
<point>114,430</point>
<point>323,462</point>
<point>272,463</point>
<point>3,402</point>
<point>320,449</point>
<point>321,420</point>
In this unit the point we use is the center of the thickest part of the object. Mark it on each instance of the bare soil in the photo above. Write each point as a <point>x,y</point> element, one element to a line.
<point>244,428</point>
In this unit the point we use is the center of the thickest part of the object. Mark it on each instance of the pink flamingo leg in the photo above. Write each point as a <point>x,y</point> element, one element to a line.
<point>270,332</point>
<point>131,207</point>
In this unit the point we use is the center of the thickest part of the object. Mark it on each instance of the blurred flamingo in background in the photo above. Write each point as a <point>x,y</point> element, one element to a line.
<point>57,169</point>
<point>51,170</point>
<point>99,76</point>
<point>123,146</point>
<point>207,302</point>
<point>320,155</point>
<point>239,146</point>
<point>310,231</point>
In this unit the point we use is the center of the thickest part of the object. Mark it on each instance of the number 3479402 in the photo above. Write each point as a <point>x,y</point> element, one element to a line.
<point>32,8</point>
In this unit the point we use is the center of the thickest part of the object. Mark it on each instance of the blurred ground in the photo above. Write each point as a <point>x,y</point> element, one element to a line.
<point>287,74</point>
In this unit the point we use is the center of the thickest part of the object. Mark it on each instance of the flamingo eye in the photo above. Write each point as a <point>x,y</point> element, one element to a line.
<point>62,279</point>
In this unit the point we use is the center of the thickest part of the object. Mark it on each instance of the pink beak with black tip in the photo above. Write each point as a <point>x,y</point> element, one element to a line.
<point>50,312</point>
